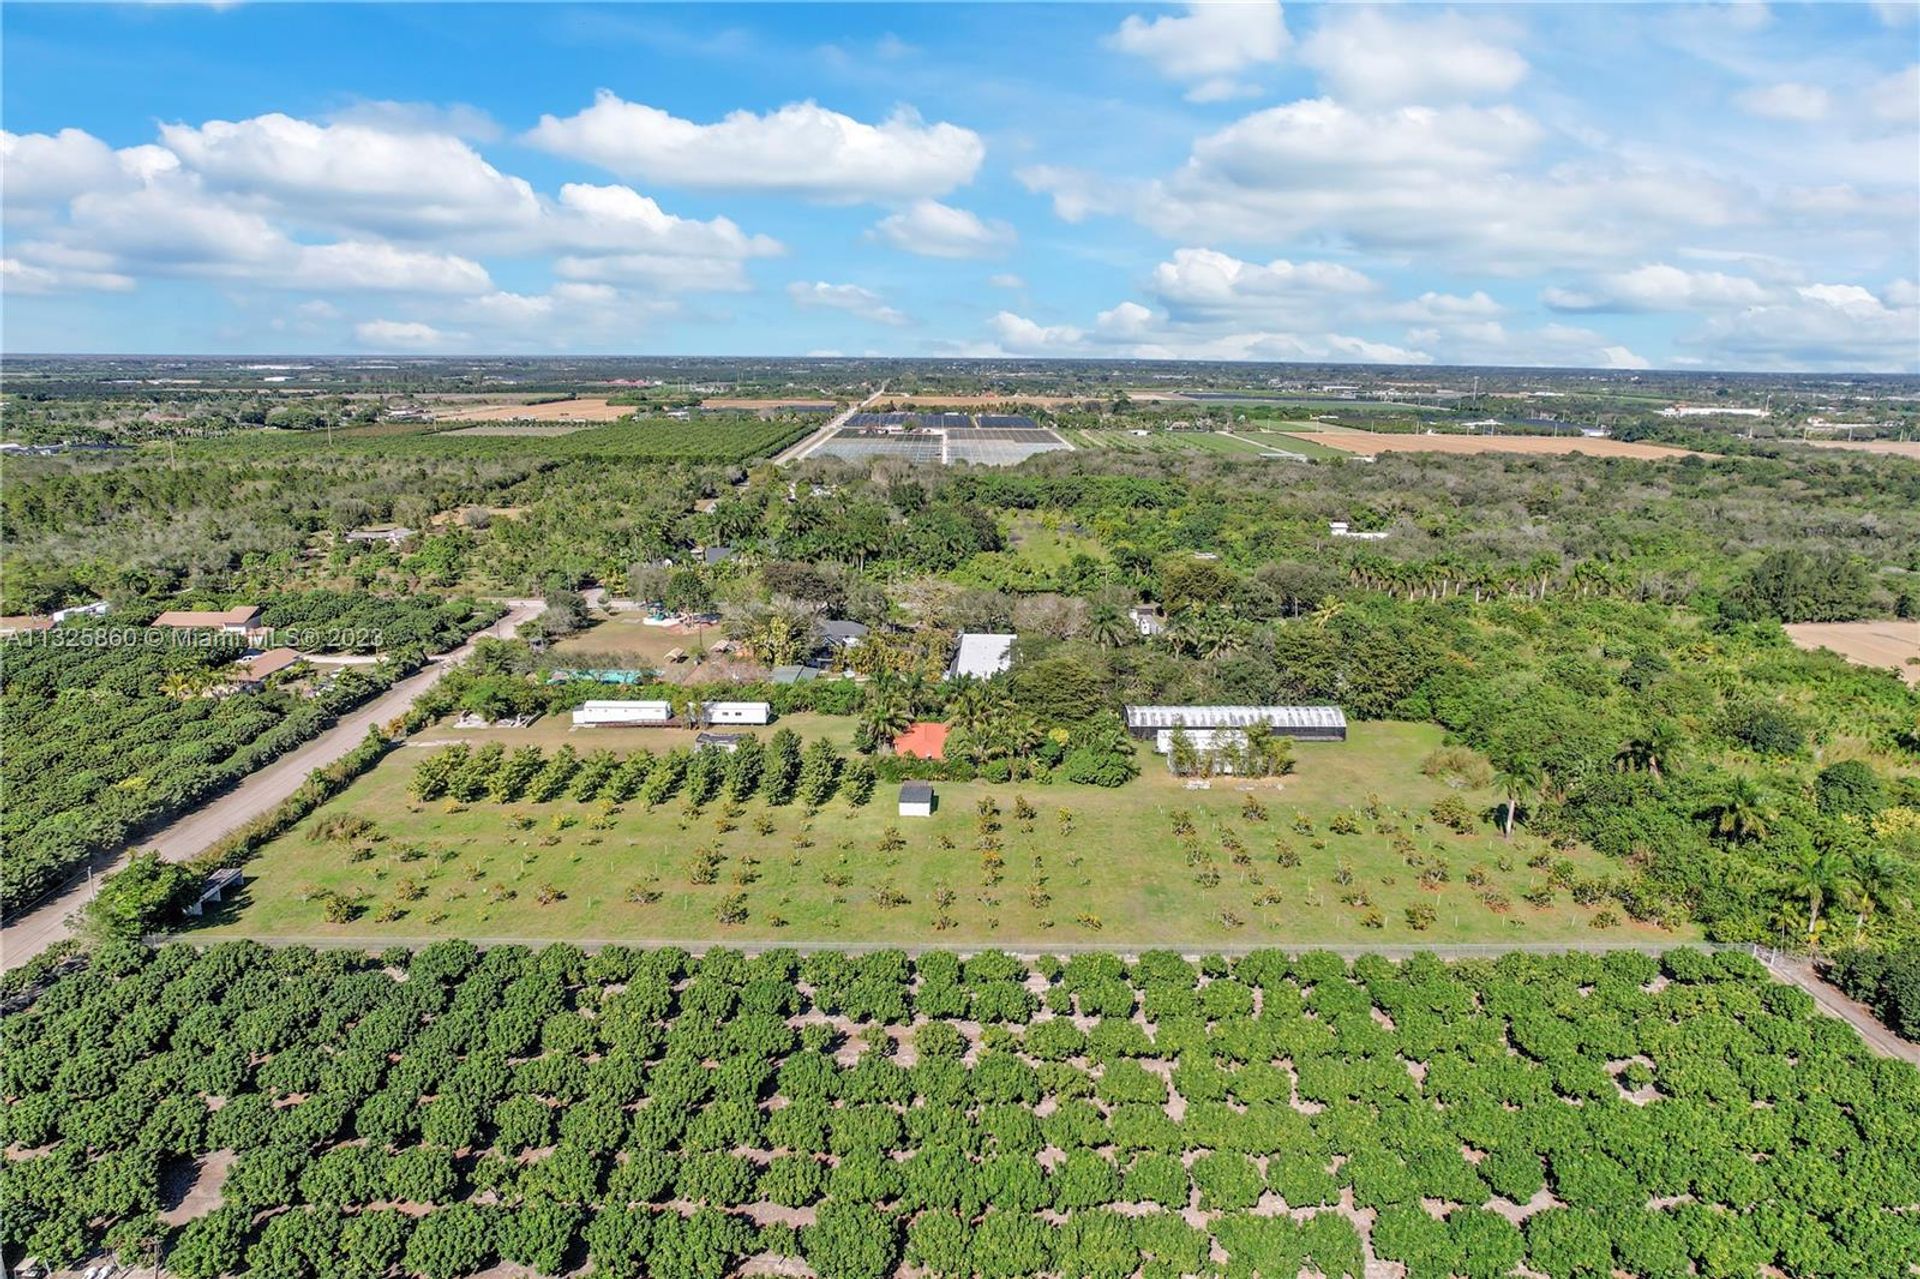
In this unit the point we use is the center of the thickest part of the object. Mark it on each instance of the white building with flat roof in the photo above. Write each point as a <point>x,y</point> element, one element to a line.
<point>631,714</point>
<point>981,655</point>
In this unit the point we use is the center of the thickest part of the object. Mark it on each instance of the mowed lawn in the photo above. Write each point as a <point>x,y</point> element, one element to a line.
<point>1113,870</point>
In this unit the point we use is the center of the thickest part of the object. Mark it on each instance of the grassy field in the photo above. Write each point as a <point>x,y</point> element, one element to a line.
<point>1046,542</point>
<point>1113,869</point>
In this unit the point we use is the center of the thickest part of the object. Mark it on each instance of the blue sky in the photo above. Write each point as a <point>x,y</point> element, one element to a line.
<point>1723,186</point>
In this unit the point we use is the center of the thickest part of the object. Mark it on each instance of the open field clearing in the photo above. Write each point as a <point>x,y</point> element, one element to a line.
<point>1149,862</point>
<point>580,410</point>
<point>1547,445</point>
<point>624,639</point>
<point>1888,448</point>
<point>1894,644</point>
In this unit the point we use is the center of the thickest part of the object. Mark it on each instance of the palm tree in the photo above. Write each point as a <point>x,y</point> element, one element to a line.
<point>1649,749</point>
<point>1108,625</point>
<point>1741,813</point>
<point>1819,878</point>
<point>971,708</point>
<point>181,685</point>
<point>1882,880</point>
<point>1516,777</point>
<point>886,714</point>
<point>1330,608</point>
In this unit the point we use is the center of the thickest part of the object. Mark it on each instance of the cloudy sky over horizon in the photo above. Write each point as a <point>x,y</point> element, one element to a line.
<point>1616,186</point>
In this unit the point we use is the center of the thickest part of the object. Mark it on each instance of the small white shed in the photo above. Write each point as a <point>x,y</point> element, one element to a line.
<point>739,712</point>
<point>916,799</point>
<point>637,714</point>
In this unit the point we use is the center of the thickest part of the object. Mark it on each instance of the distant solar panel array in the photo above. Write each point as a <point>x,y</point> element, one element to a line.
<point>996,439</point>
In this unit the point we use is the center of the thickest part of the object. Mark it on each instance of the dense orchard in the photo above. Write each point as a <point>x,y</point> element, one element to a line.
<point>651,1113</point>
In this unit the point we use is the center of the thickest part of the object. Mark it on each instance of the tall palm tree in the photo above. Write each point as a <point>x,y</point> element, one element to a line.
<point>886,714</point>
<point>1820,878</point>
<point>1649,749</point>
<point>1517,777</point>
<point>1883,881</point>
<point>1741,813</point>
<point>971,708</point>
<point>1108,625</point>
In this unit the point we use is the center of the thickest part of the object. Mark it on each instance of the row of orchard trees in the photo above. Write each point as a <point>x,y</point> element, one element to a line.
<point>432,1113</point>
<point>779,770</point>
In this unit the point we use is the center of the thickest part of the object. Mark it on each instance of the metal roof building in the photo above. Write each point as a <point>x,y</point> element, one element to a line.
<point>981,655</point>
<point>1303,723</point>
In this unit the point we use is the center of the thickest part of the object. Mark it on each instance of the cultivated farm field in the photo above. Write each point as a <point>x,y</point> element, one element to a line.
<point>1345,850</point>
<point>575,410</point>
<point>454,1111</point>
<point>1893,644</point>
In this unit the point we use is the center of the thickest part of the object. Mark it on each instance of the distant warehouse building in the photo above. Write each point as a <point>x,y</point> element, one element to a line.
<point>1302,723</point>
<point>631,714</point>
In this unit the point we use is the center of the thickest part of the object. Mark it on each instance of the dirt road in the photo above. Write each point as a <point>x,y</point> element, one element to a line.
<point>50,920</point>
<point>1835,1003</point>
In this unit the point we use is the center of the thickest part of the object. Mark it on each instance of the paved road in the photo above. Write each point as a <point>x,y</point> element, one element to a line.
<point>806,447</point>
<point>51,920</point>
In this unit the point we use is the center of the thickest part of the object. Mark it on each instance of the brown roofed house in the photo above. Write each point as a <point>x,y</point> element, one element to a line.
<point>250,673</point>
<point>237,620</point>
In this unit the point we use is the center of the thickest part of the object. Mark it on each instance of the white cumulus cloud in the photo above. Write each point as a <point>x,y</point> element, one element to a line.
<point>935,230</point>
<point>1209,46</point>
<point>399,335</point>
<point>1371,57</point>
<point>801,149</point>
<point>851,298</point>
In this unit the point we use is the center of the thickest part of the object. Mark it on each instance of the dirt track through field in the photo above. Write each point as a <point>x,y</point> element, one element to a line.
<point>1539,445</point>
<point>1893,644</point>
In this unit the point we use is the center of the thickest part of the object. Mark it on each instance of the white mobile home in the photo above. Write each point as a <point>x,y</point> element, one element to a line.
<point>632,714</point>
<point>739,712</point>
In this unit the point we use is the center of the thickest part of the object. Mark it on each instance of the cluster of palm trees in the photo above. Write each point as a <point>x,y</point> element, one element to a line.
<point>986,723</point>
<point>1825,881</point>
<point>1445,576</point>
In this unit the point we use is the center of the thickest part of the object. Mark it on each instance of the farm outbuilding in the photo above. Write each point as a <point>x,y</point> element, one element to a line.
<point>633,714</point>
<point>738,712</point>
<point>1302,723</point>
<point>981,655</point>
<point>215,888</point>
<point>916,799</point>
